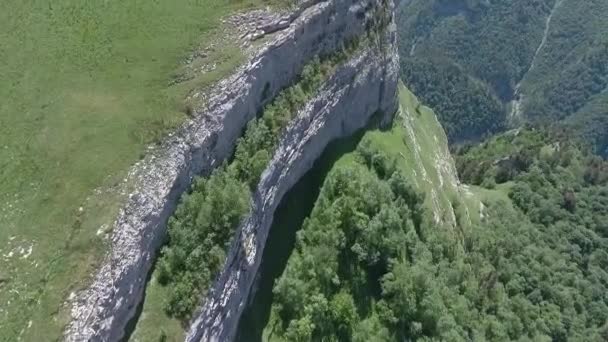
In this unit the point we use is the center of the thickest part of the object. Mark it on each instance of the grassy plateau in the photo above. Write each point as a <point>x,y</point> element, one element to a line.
<point>85,88</point>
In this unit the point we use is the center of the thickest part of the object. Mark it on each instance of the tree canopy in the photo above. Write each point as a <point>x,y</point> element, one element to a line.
<point>369,264</point>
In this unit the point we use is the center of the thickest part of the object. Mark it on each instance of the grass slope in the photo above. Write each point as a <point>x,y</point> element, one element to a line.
<point>85,89</point>
<point>154,324</point>
<point>422,149</point>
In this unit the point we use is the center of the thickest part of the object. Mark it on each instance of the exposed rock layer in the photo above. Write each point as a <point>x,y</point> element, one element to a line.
<point>101,311</point>
<point>363,86</point>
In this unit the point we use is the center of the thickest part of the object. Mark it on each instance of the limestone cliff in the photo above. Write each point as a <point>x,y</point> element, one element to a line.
<point>364,85</point>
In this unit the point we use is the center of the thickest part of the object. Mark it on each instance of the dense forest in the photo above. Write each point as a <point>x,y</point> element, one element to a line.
<point>470,110</point>
<point>498,63</point>
<point>370,265</point>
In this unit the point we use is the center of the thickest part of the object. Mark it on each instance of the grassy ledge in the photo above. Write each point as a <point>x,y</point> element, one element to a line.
<point>85,89</point>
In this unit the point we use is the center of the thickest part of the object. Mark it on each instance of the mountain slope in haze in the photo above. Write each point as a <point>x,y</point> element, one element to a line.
<point>485,65</point>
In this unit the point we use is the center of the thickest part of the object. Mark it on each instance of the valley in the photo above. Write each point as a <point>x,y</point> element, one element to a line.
<point>516,63</point>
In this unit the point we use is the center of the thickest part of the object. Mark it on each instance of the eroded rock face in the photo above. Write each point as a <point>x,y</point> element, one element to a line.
<point>102,310</point>
<point>363,86</point>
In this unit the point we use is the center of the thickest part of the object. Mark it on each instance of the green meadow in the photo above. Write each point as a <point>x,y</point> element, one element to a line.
<point>85,87</point>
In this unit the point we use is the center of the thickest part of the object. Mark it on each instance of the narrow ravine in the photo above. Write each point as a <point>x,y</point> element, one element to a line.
<point>545,35</point>
<point>518,98</point>
<point>288,219</point>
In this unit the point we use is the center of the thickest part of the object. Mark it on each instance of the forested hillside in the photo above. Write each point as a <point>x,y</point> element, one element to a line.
<point>487,65</point>
<point>569,80</point>
<point>371,264</point>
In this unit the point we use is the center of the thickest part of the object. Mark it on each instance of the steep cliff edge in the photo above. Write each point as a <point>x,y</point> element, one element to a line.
<point>102,310</point>
<point>415,146</point>
<point>363,86</point>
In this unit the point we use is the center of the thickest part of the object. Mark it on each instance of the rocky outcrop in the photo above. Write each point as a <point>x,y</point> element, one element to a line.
<point>363,86</point>
<point>101,311</point>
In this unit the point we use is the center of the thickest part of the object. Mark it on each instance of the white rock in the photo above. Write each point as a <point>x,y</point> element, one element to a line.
<point>363,86</point>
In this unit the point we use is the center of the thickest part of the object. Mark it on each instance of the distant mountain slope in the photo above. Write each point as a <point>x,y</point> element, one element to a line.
<point>569,78</point>
<point>483,64</point>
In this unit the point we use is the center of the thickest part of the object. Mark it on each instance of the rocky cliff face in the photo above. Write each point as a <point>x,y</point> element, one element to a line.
<point>361,87</point>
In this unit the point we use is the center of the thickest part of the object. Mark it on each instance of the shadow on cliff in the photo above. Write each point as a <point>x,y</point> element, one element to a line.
<point>295,206</point>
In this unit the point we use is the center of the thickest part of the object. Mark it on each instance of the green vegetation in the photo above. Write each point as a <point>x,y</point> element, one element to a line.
<point>469,109</point>
<point>288,218</point>
<point>414,148</point>
<point>199,234</point>
<point>570,76</point>
<point>562,192</point>
<point>430,166</point>
<point>202,228</point>
<point>419,148</point>
<point>359,225</point>
<point>470,59</point>
<point>85,87</point>
<point>508,154</point>
<point>370,264</point>
<point>464,57</point>
<point>592,124</point>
